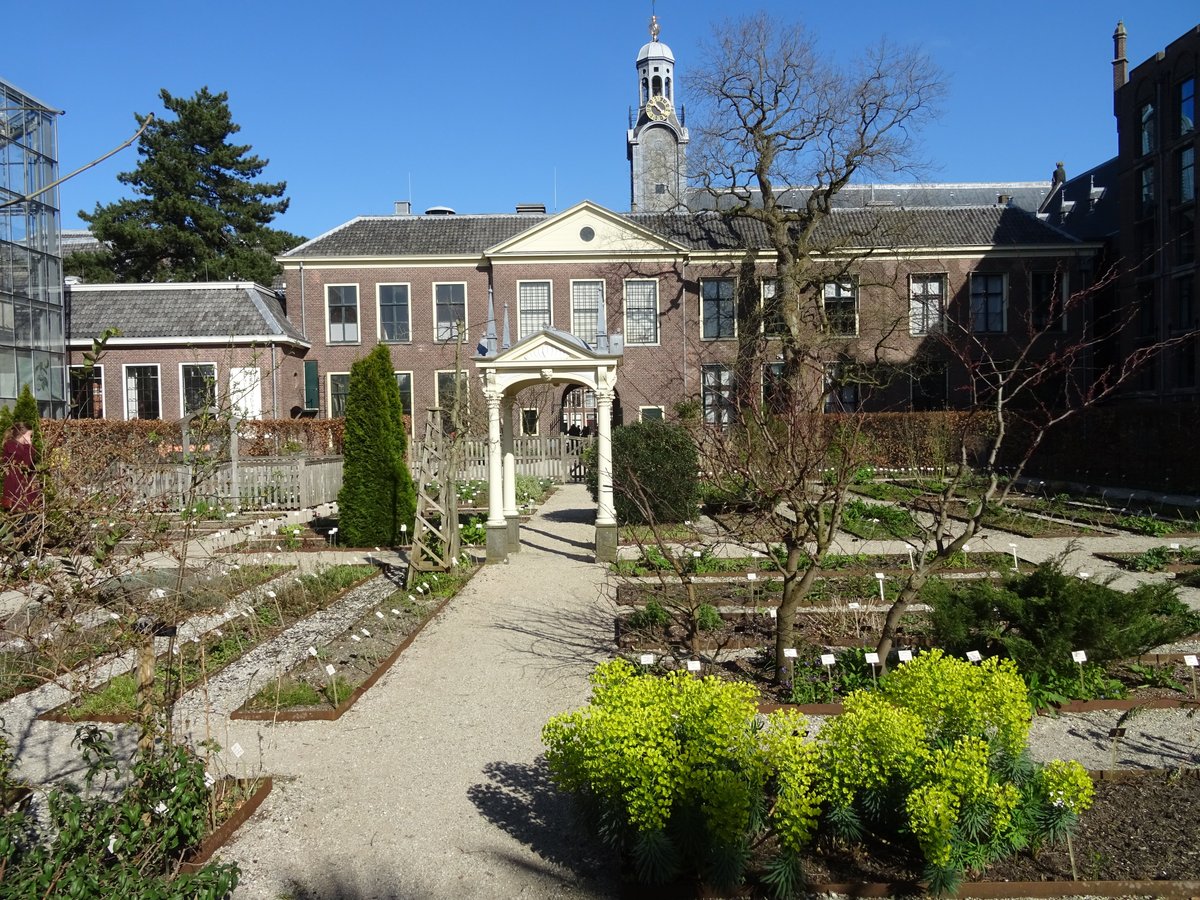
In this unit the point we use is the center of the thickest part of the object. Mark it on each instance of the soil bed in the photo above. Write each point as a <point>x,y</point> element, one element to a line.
<point>359,655</point>
<point>234,801</point>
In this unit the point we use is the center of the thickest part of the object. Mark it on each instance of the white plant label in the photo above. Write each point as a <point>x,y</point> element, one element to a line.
<point>1190,660</point>
<point>312,651</point>
<point>879,575</point>
<point>366,633</point>
<point>1174,546</point>
<point>751,576</point>
<point>904,655</point>
<point>237,750</point>
<point>772,612</point>
<point>696,554</point>
<point>828,659</point>
<point>853,605</point>
<point>789,652</point>
<point>329,670</point>
<point>647,659</point>
<point>974,655</point>
<point>355,638</point>
<point>378,614</point>
<point>873,658</point>
<point>693,665</point>
<point>395,612</point>
<point>1079,656</point>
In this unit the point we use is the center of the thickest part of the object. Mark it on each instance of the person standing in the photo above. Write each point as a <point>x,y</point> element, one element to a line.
<point>22,493</point>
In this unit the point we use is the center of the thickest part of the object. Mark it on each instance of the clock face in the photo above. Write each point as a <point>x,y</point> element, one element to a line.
<point>658,108</point>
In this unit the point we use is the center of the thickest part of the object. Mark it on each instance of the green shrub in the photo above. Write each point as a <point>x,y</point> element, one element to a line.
<point>377,494</point>
<point>654,473</point>
<point>1147,525</point>
<point>652,615</point>
<point>708,618</point>
<point>1039,618</point>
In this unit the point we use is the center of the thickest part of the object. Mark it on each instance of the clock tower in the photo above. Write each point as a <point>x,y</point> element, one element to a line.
<point>657,142</point>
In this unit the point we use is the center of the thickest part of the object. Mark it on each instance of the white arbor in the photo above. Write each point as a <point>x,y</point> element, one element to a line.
<point>549,357</point>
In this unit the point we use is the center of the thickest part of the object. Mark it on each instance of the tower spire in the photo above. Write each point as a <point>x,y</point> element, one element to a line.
<point>654,26</point>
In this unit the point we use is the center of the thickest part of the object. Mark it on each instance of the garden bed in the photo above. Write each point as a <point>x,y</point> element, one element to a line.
<point>236,801</point>
<point>359,656</point>
<point>190,663</point>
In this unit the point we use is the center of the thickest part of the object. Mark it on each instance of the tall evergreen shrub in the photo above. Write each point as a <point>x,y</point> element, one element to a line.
<point>377,494</point>
<point>26,410</point>
<point>655,476</point>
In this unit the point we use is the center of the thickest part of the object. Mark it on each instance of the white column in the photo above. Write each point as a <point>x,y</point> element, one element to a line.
<point>495,462</point>
<point>510,463</point>
<point>605,513</point>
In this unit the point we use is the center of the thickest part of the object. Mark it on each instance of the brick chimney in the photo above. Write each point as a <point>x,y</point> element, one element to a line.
<point>1120,63</point>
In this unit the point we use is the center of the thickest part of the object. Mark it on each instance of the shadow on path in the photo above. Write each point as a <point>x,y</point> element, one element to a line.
<point>571,643</point>
<point>586,545</point>
<point>521,800</point>
<point>576,515</point>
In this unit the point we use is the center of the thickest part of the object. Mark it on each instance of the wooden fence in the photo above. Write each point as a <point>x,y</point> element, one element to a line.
<point>260,482</point>
<point>557,457</point>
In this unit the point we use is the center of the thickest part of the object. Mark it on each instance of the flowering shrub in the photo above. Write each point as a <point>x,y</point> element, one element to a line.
<point>683,776</point>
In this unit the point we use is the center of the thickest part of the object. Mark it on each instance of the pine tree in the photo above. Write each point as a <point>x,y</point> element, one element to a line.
<point>377,494</point>
<point>26,410</point>
<point>198,213</point>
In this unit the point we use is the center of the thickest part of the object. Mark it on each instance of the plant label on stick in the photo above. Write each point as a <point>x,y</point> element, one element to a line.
<point>647,659</point>
<point>904,655</point>
<point>237,750</point>
<point>772,612</point>
<point>974,655</point>
<point>329,670</point>
<point>828,659</point>
<point>1191,660</point>
<point>752,576</point>
<point>873,658</point>
<point>378,614</point>
<point>853,605</point>
<point>693,665</point>
<point>355,638</point>
<point>1079,656</point>
<point>312,651</point>
<point>789,652</point>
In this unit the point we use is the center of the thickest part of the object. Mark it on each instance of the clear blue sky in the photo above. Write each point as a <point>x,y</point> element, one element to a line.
<point>483,105</point>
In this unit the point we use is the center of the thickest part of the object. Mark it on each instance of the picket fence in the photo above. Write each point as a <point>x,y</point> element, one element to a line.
<point>255,482</point>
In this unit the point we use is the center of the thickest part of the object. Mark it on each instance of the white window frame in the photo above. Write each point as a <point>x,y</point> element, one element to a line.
<point>603,306</point>
<point>216,393</point>
<point>1003,276</point>
<point>412,415</point>
<point>662,414</point>
<point>357,314</point>
<point>466,319</point>
<point>329,376</point>
<point>125,367</point>
<point>625,311</point>
<point>733,312</point>
<point>464,381</point>
<point>771,281</point>
<point>97,367</point>
<point>939,323</point>
<point>537,421</point>
<point>854,294</point>
<point>521,333</point>
<point>723,410</point>
<point>379,312</point>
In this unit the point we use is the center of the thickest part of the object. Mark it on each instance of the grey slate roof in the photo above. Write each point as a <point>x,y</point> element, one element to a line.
<point>1086,206</point>
<point>1027,195</point>
<point>218,310</point>
<point>881,227</point>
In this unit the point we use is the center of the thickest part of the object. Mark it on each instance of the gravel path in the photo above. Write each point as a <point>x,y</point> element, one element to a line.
<point>432,785</point>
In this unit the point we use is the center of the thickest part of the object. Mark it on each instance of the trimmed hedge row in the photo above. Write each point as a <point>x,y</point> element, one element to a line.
<point>256,437</point>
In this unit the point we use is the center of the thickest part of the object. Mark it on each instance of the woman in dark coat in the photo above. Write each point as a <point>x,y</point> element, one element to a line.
<point>22,493</point>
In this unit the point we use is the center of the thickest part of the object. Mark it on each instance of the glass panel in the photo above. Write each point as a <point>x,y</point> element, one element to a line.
<point>339,387</point>
<point>343,314</point>
<point>533,307</point>
<point>587,298</point>
<point>841,308</point>
<point>404,382</point>
<point>199,386</point>
<point>450,301</point>
<point>393,312</point>
<point>312,399</point>
<point>717,308</point>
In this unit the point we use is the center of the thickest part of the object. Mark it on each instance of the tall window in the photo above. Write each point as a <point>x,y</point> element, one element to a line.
<point>717,308</point>
<point>718,395</point>
<point>1047,292</point>
<point>1147,193</point>
<point>641,312</point>
<point>450,310</point>
<point>395,320</point>
<point>141,393</point>
<point>342,305</point>
<point>197,386</point>
<point>927,386</point>
<point>775,387</point>
<point>453,394</point>
<point>841,390</point>
<point>529,421</point>
<point>339,387</point>
<point>1187,174</point>
<point>87,392</point>
<point>533,307</point>
<point>773,321</point>
<point>841,307</point>
<point>987,303</point>
<point>926,300</point>
<point>1186,102</point>
<point>1146,131</point>
<point>587,301</point>
<point>312,381</point>
<point>404,382</point>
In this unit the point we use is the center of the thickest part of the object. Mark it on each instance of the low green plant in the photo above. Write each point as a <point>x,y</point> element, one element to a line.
<point>708,618</point>
<point>875,520</point>
<point>289,536</point>
<point>1158,558</point>
<point>474,532</point>
<point>1154,677</point>
<point>1147,525</point>
<point>122,838</point>
<point>652,615</point>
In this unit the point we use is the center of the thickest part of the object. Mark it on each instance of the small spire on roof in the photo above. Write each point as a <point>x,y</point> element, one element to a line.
<point>505,340</point>
<point>654,27</point>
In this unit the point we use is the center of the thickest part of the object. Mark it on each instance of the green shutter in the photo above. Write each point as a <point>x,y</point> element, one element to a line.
<point>312,382</point>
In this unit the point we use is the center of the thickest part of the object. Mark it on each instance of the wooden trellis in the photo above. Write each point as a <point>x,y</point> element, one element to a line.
<point>436,543</point>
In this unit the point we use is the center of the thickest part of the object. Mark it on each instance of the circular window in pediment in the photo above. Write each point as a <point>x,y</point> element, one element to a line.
<point>586,233</point>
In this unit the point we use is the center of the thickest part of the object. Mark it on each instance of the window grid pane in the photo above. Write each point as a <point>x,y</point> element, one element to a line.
<point>199,387</point>
<point>587,298</point>
<point>533,307</point>
<point>1187,174</point>
<point>393,312</point>
<point>641,312</point>
<point>1187,106</point>
<point>717,308</point>
<point>987,303</point>
<point>404,383</point>
<point>141,392</point>
<point>841,303</point>
<point>718,395</point>
<point>87,393</point>
<point>1046,308</point>
<point>343,314</point>
<point>774,322</point>
<point>339,387</point>
<point>926,304</point>
<point>451,302</point>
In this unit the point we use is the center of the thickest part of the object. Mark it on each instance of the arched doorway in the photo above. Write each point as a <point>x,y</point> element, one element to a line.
<point>577,411</point>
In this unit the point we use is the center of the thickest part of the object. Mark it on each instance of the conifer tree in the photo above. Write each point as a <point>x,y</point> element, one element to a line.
<point>198,213</point>
<point>26,410</point>
<point>377,494</point>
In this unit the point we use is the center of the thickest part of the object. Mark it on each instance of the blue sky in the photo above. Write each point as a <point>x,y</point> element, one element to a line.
<point>484,105</point>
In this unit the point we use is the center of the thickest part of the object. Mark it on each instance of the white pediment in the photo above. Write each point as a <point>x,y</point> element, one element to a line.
<point>586,229</point>
<point>545,346</point>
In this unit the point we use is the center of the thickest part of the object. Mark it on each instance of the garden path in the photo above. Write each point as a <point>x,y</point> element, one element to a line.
<point>432,784</point>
